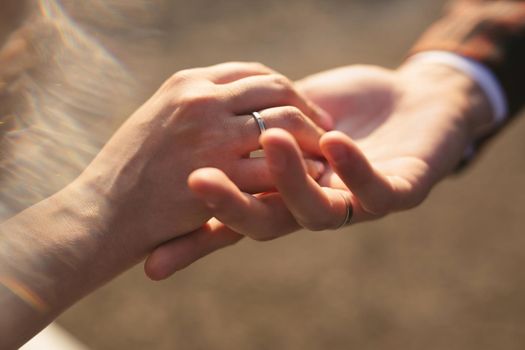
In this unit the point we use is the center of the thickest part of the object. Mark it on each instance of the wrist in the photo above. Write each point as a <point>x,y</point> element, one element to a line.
<point>55,251</point>
<point>51,255</point>
<point>459,91</point>
<point>114,245</point>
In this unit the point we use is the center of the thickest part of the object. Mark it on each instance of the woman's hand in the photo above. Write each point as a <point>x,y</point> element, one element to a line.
<point>134,195</point>
<point>199,117</point>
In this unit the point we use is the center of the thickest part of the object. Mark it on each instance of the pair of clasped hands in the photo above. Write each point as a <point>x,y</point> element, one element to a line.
<point>176,182</point>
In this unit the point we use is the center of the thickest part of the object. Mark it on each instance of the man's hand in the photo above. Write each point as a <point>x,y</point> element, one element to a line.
<point>199,117</point>
<point>397,134</point>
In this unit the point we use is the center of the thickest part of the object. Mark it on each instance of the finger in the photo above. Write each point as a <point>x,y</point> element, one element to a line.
<point>218,74</point>
<point>260,218</point>
<point>253,176</point>
<point>373,190</point>
<point>313,207</point>
<point>255,93</point>
<point>228,72</point>
<point>247,131</point>
<point>181,252</point>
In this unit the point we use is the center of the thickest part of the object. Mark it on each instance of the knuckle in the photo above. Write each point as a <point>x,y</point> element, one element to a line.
<point>283,84</point>
<point>228,65</point>
<point>259,67</point>
<point>193,100</point>
<point>179,78</point>
<point>292,118</point>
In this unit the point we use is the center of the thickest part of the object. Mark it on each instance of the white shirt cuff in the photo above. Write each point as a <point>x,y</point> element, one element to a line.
<point>478,72</point>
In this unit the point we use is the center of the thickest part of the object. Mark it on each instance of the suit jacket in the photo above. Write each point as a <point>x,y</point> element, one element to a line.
<point>489,31</point>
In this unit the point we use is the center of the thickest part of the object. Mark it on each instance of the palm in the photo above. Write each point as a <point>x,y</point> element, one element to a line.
<point>367,104</point>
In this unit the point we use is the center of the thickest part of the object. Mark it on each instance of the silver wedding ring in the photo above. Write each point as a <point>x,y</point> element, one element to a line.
<point>262,128</point>
<point>260,121</point>
<point>349,213</point>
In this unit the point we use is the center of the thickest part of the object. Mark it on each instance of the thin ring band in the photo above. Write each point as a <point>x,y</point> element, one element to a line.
<point>349,213</point>
<point>262,128</point>
<point>260,121</point>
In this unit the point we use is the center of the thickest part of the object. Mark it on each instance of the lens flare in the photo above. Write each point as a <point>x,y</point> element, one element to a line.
<point>24,293</point>
<point>65,101</point>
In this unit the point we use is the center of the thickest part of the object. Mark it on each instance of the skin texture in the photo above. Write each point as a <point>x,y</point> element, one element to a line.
<point>397,134</point>
<point>134,195</point>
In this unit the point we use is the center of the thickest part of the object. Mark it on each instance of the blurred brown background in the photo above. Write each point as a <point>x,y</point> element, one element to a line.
<point>448,275</point>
